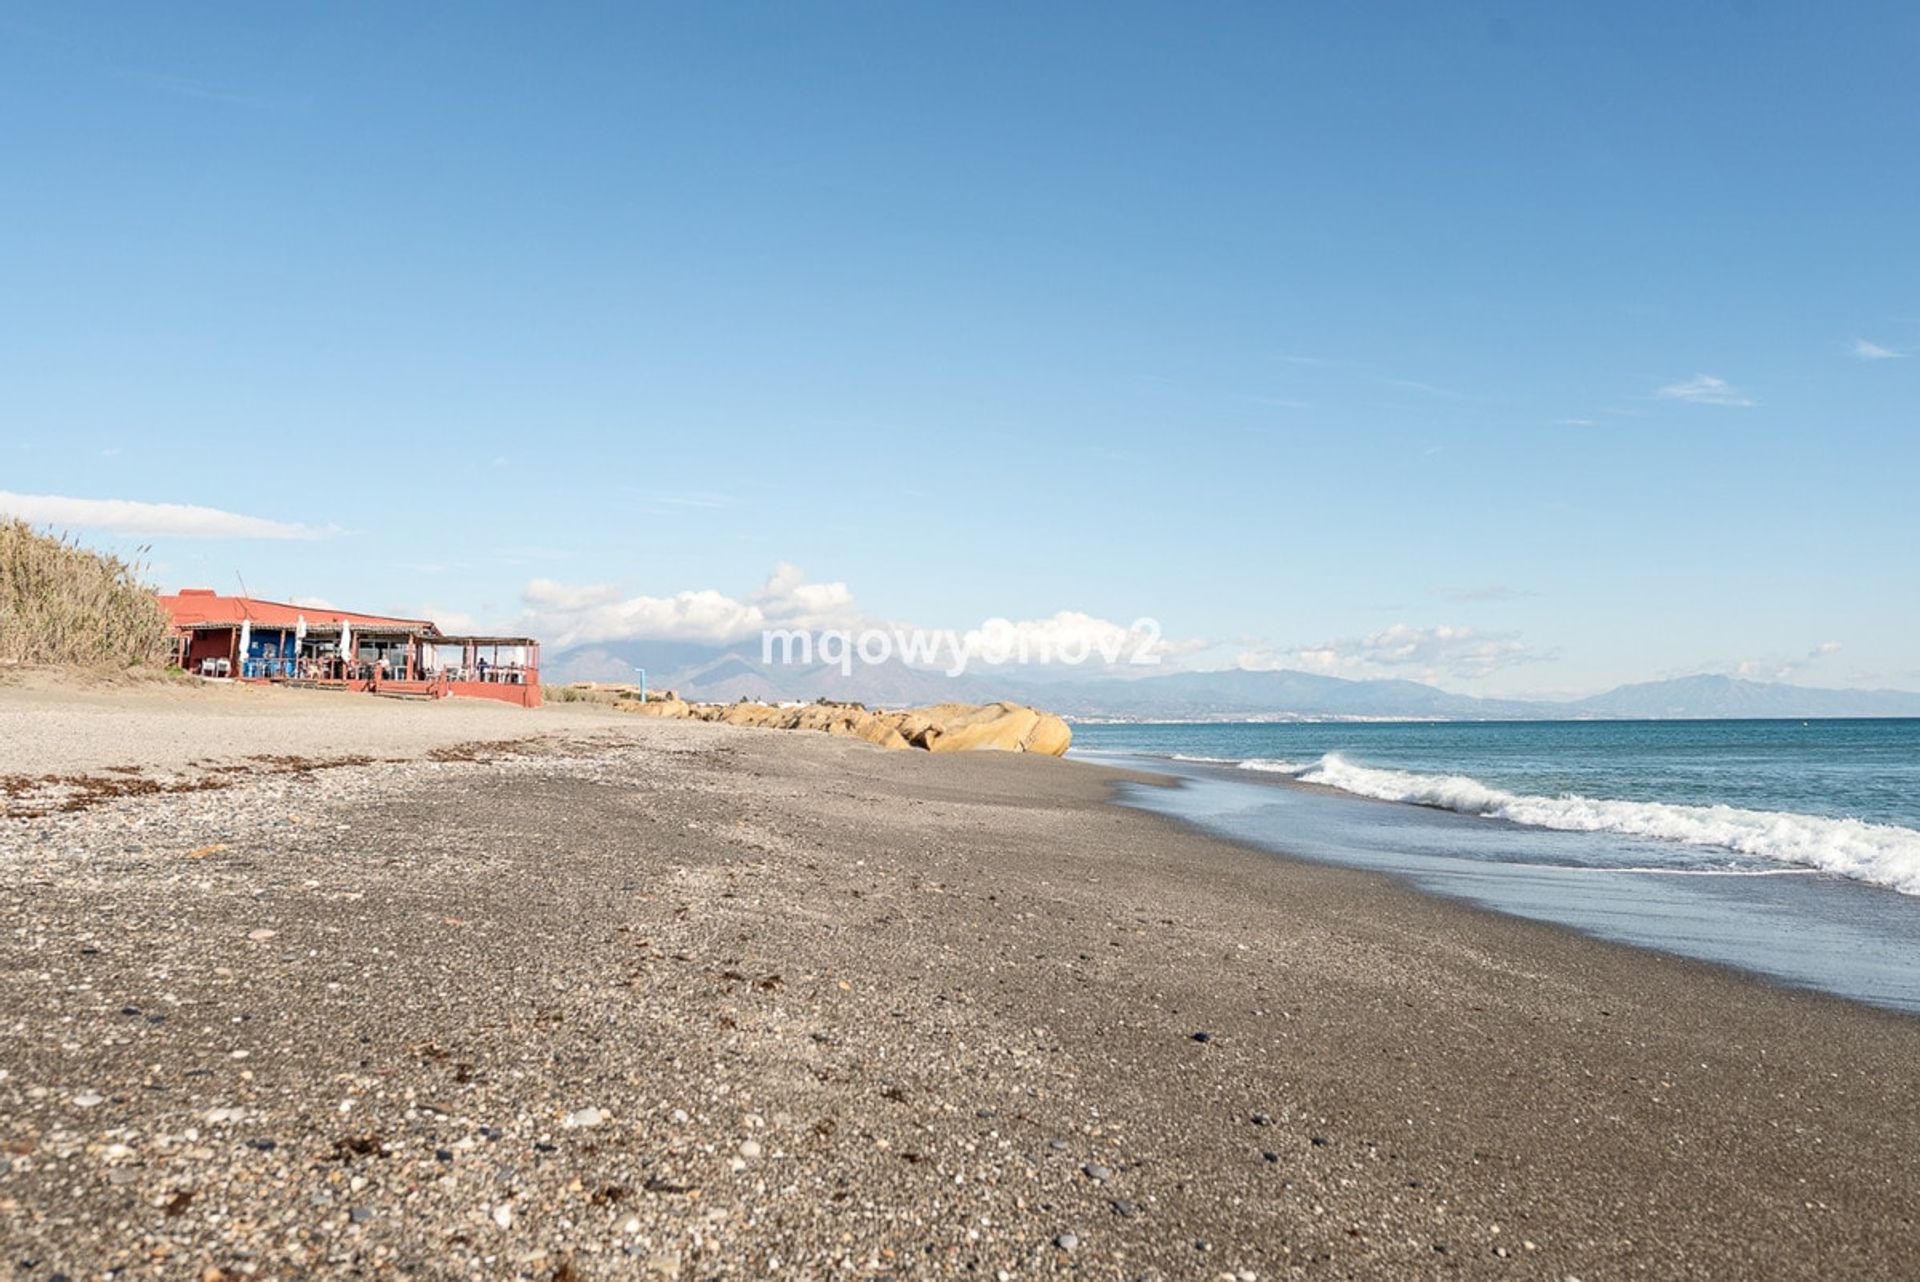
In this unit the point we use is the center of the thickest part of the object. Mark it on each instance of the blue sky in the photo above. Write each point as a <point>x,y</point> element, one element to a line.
<point>1526,351</point>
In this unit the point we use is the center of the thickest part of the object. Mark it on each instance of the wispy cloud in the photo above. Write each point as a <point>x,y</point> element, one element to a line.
<point>1426,652</point>
<point>1489,592</point>
<point>1864,350</point>
<point>1576,422</point>
<point>198,90</point>
<point>1353,370</point>
<point>1425,389</point>
<point>657,501</point>
<point>153,520</point>
<point>698,498</point>
<point>1705,389</point>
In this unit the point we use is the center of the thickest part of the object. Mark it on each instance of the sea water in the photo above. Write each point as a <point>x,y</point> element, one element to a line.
<point>1787,848</point>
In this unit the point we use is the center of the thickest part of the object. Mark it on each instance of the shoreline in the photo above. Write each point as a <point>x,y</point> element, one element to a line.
<point>1777,919</point>
<point>1493,916</point>
<point>686,998</point>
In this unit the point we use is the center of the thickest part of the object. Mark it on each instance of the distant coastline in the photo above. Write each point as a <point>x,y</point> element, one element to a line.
<point>1308,719</point>
<point>723,674</point>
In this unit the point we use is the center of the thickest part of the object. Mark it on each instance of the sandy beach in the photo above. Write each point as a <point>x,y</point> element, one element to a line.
<point>608,997</point>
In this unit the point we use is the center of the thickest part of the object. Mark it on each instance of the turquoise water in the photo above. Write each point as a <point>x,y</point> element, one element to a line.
<point>1787,848</point>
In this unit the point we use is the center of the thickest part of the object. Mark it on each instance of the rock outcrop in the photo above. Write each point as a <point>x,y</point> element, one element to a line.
<point>670,709</point>
<point>1003,727</point>
<point>946,727</point>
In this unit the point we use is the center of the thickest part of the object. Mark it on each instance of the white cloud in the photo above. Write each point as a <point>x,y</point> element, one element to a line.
<point>572,614</point>
<point>1784,669</point>
<point>1430,652</point>
<point>154,520</point>
<point>1705,389</point>
<point>1866,351</point>
<point>564,615</point>
<point>786,595</point>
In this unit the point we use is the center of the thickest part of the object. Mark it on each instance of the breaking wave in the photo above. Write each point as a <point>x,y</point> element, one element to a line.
<point>1883,854</point>
<point>1271,766</point>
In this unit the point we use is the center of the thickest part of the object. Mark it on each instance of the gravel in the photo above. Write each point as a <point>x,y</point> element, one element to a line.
<point>663,1000</point>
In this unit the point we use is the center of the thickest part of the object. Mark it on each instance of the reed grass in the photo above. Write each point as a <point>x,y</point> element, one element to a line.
<point>64,605</point>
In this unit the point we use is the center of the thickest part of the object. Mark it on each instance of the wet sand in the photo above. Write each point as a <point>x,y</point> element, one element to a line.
<point>684,1000</point>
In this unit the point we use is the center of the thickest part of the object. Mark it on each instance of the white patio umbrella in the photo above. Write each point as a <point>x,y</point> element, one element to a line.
<point>246,639</point>
<point>346,642</point>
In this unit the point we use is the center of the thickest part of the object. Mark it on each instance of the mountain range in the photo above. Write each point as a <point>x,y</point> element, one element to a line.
<point>725,673</point>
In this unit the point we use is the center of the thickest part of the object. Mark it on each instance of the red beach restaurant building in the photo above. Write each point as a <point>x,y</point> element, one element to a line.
<point>247,639</point>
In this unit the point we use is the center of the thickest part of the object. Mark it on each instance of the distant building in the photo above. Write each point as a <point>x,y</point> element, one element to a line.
<point>246,639</point>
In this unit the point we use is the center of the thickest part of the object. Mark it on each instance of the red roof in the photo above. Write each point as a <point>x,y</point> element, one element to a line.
<point>198,607</point>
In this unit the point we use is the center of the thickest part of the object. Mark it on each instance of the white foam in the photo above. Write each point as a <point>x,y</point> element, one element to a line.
<point>1676,872</point>
<point>1884,854</point>
<point>1272,766</point>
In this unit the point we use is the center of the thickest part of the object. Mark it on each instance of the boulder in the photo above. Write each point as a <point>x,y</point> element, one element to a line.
<point>750,714</point>
<point>877,729</point>
<point>999,727</point>
<point>1051,736</point>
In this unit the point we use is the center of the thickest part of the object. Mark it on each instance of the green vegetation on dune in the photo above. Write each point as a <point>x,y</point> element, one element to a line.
<point>63,604</point>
